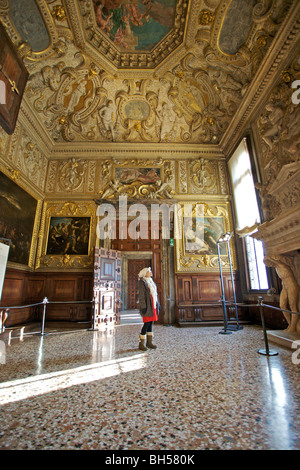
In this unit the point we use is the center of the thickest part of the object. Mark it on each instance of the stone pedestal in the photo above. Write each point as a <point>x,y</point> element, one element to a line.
<point>283,338</point>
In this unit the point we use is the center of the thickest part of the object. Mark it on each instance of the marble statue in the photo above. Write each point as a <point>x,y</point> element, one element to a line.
<point>290,293</point>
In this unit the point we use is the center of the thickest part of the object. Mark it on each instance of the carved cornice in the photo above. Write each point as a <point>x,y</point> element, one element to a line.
<point>281,235</point>
<point>284,46</point>
<point>107,150</point>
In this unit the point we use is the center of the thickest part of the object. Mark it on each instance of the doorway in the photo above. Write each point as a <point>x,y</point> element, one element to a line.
<point>134,267</point>
<point>132,263</point>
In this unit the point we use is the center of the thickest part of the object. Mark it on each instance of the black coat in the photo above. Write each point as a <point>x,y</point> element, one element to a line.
<point>145,302</point>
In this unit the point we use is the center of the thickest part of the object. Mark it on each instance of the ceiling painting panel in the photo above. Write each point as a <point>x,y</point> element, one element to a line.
<point>141,72</point>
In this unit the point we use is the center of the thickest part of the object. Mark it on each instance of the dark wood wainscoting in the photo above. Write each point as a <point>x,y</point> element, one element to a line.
<point>195,294</point>
<point>26,288</point>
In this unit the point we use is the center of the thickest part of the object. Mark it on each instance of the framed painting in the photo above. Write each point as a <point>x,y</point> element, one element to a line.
<point>13,78</point>
<point>18,221</point>
<point>68,239</point>
<point>197,235</point>
<point>68,235</point>
<point>201,235</point>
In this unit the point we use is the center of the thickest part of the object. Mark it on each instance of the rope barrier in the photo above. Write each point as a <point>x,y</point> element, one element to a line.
<point>44,303</point>
<point>260,305</point>
<point>20,306</point>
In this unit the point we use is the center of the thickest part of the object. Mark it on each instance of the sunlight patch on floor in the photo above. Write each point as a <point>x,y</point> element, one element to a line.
<point>21,389</point>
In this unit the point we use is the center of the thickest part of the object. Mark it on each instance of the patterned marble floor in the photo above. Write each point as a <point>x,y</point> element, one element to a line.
<point>199,390</point>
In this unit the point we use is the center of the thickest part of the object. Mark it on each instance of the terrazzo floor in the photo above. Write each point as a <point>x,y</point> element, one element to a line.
<point>94,390</point>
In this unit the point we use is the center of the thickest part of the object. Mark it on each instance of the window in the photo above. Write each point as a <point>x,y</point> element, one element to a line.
<point>256,267</point>
<point>247,215</point>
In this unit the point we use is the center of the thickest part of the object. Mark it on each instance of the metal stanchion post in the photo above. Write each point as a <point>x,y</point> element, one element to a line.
<point>225,331</point>
<point>266,351</point>
<point>92,328</point>
<point>238,327</point>
<point>45,301</point>
<point>168,310</point>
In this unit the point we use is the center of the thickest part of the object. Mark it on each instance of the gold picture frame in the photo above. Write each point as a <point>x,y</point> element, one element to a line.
<point>20,211</point>
<point>73,248</point>
<point>196,234</point>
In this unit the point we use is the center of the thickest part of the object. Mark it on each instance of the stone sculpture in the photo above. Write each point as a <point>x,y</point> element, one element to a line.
<point>290,293</point>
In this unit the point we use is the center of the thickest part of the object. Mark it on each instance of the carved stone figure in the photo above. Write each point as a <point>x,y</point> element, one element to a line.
<point>168,123</point>
<point>266,201</point>
<point>290,294</point>
<point>164,190</point>
<point>71,174</point>
<point>111,189</point>
<point>274,119</point>
<point>108,116</point>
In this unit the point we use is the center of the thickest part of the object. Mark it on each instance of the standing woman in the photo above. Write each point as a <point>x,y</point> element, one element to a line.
<point>149,307</point>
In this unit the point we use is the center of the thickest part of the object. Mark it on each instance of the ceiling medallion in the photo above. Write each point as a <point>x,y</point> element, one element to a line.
<point>135,34</point>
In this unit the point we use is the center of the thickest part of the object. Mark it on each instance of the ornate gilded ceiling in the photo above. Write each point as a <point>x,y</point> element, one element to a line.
<point>140,71</point>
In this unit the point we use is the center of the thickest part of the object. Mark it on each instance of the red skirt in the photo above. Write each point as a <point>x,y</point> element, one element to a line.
<point>154,316</point>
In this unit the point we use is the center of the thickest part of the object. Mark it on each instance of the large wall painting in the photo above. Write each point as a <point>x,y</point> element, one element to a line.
<point>196,234</point>
<point>201,235</point>
<point>135,25</point>
<point>67,240</point>
<point>17,220</point>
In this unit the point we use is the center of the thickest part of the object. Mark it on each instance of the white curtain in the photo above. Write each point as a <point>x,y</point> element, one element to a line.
<point>244,196</point>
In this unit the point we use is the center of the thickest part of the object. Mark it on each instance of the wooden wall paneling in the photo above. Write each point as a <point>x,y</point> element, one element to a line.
<point>86,288</point>
<point>195,291</point>
<point>14,295</point>
<point>35,289</point>
<point>187,290</point>
<point>13,290</point>
<point>69,288</point>
<point>26,288</point>
<point>208,289</point>
<point>63,289</point>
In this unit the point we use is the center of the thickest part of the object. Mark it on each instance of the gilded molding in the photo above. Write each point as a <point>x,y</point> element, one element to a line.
<point>66,261</point>
<point>205,258</point>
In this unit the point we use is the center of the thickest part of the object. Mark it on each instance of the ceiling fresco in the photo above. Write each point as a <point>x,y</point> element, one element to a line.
<point>142,71</point>
<point>135,26</point>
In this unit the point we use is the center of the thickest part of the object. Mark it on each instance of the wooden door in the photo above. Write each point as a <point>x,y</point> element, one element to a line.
<point>107,287</point>
<point>152,243</point>
<point>134,267</point>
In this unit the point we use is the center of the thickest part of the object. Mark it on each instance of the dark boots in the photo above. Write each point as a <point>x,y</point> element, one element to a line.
<point>142,346</point>
<point>149,343</point>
